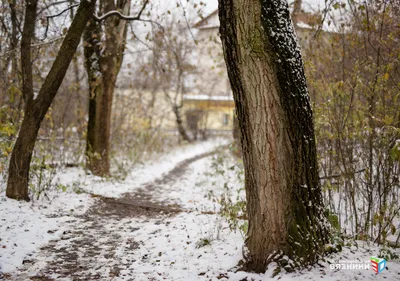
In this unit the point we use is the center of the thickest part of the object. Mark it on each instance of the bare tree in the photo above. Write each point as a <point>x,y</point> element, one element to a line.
<point>172,53</point>
<point>104,52</point>
<point>265,68</point>
<point>36,106</point>
<point>356,74</point>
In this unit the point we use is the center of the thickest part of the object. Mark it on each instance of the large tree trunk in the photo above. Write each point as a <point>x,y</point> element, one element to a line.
<point>18,175</point>
<point>103,68</point>
<point>265,68</point>
<point>35,109</point>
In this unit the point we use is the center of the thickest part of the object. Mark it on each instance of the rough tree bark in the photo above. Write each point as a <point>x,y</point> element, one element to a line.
<point>236,136</point>
<point>35,109</point>
<point>103,63</point>
<point>265,68</point>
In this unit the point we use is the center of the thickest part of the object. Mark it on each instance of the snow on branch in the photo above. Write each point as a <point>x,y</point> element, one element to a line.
<point>121,16</point>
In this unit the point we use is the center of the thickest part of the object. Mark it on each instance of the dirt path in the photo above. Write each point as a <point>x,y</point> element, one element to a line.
<point>91,245</point>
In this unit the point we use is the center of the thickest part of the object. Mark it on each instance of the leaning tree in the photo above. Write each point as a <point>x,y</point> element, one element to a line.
<point>265,68</point>
<point>36,106</point>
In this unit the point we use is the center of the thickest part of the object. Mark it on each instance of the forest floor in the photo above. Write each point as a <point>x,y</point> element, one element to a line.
<point>160,223</point>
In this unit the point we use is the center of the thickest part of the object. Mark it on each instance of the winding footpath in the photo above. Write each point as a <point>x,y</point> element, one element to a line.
<point>91,249</point>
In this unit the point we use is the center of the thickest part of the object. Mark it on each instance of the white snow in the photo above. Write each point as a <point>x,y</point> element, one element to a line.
<point>201,186</point>
<point>25,227</point>
<point>175,251</point>
<point>193,246</point>
<point>208,97</point>
<point>304,25</point>
<point>190,245</point>
<point>139,175</point>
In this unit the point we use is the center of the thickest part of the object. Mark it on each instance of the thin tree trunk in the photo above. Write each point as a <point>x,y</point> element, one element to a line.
<point>35,109</point>
<point>14,41</point>
<point>179,124</point>
<point>18,177</point>
<point>101,165</point>
<point>296,10</point>
<point>92,64</point>
<point>28,33</point>
<point>265,68</point>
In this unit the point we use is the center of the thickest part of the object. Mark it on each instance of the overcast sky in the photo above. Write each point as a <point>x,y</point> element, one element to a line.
<point>312,6</point>
<point>212,5</point>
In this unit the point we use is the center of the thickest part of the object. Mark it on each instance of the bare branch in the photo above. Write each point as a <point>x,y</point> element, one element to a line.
<point>325,14</point>
<point>187,22</point>
<point>10,52</point>
<point>341,175</point>
<point>62,12</point>
<point>56,15</point>
<point>53,4</point>
<point>48,42</point>
<point>121,16</point>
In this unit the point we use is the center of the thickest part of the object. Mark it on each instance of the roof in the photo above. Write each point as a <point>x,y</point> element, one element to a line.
<point>208,98</point>
<point>309,18</point>
<point>204,20</point>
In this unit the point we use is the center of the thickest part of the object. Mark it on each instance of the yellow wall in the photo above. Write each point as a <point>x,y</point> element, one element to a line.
<point>214,113</point>
<point>131,112</point>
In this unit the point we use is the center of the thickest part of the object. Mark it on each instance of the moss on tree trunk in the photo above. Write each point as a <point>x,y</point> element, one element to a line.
<point>265,68</point>
<point>102,68</point>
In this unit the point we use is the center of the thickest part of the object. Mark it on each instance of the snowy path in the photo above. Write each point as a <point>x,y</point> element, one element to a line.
<point>159,191</point>
<point>160,228</point>
<point>96,246</point>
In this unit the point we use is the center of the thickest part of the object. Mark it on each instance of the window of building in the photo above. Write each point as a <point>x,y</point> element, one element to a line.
<point>225,120</point>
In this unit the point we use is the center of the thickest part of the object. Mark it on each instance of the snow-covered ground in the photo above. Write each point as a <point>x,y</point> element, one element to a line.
<point>204,182</point>
<point>196,244</point>
<point>192,246</point>
<point>25,227</point>
<point>139,175</point>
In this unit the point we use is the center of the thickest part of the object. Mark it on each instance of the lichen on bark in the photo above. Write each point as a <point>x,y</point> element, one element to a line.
<point>265,68</point>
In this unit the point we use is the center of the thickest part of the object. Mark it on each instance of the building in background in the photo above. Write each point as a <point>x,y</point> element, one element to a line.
<point>207,104</point>
<point>212,107</point>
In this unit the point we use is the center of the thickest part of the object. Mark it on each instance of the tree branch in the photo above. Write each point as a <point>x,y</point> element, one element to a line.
<point>341,175</point>
<point>56,15</point>
<point>187,22</point>
<point>62,12</point>
<point>121,16</point>
<point>65,54</point>
<point>52,4</point>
